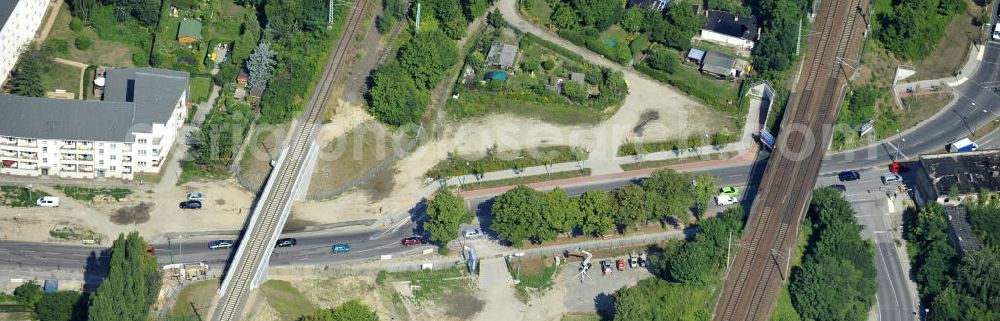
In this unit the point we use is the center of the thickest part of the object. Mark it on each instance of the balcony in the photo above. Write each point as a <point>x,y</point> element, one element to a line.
<point>8,141</point>
<point>126,159</point>
<point>86,168</point>
<point>8,153</point>
<point>78,157</point>
<point>27,143</point>
<point>29,166</point>
<point>127,170</point>
<point>8,164</point>
<point>67,168</point>
<point>69,145</point>
<point>78,146</point>
<point>29,155</point>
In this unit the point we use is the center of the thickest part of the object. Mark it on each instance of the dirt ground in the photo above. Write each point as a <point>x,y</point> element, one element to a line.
<point>225,210</point>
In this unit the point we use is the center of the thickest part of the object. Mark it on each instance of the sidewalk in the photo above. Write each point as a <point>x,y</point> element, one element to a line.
<point>971,65</point>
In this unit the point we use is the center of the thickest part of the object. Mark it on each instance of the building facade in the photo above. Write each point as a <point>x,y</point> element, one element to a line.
<point>730,30</point>
<point>131,131</point>
<point>19,20</point>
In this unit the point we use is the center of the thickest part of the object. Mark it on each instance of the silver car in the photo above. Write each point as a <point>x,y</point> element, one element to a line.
<point>472,233</point>
<point>196,197</point>
<point>220,244</point>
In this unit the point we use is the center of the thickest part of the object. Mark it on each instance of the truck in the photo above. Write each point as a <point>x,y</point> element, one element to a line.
<point>963,145</point>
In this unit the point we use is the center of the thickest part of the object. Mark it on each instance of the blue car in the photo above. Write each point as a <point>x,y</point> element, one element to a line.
<point>341,248</point>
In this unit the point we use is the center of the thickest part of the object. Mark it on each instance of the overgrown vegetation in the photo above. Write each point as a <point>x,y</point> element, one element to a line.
<point>218,140</point>
<point>352,310</point>
<point>431,284</point>
<point>688,276</point>
<point>718,140</point>
<point>496,160</point>
<point>401,89</point>
<point>88,194</point>
<point>54,306</point>
<point>26,77</point>
<point>17,196</point>
<point>526,214</point>
<point>910,29</point>
<point>836,280</point>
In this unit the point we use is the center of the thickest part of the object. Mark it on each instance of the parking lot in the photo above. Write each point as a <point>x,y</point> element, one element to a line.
<point>594,292</point>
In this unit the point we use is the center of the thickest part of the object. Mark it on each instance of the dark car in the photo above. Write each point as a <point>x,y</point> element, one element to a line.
<point>286,242</point>
<point>839,187</point>
<point>849,176</point>
<point>416,240</point>
<point>190,205</point>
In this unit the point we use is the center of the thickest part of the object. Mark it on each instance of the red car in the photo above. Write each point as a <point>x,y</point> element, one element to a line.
<point>416,240</point>
<point>621,264</point>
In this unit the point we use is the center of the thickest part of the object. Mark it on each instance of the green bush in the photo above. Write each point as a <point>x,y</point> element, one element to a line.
<point>76,24</point>
<point>140,58</point>
<point>548,64</point>
<point>58,47</point>
<point>83,42</point>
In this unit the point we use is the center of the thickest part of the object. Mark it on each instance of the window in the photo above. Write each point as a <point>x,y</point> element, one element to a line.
<point>142,141</point>
<point>100,144</point>
<point>113,146</point>
<point>100,151</point>
<point>113,169</point>
<point>45,149</point>
<point>113,157</point>
<point>100,163</point>
<point>142,152</point>
<point>45,160</point>
<point>142,163</point>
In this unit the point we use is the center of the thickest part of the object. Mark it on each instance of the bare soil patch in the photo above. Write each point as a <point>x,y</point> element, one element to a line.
<point>131,215</point>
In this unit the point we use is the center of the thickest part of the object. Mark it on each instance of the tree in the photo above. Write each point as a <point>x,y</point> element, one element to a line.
<point>394,98</point>
<point>445,212</point>
<point>474,8</point>
<point>599,14</point>
<point>427,57</point>
<point>496,19</point>
<point>261,65</point>
<point>28,294</point>
<point>596,208</point>
<point>634,20</point>
<point>548,64</point>
<point>575,92</point>
<point>561,214</point>
<point>704,188</point>
<point>132,284</point>
<point>670,194</point>
<point>352,310</point>
<point>692,264</point>
<point>517,215</point>
<point>564,17</point>
<point>475,59</point>
<point>26,80</point>
<point>660,58</point>
<point>62,306</point>
<point>631,206</point>
<point>82,8</point>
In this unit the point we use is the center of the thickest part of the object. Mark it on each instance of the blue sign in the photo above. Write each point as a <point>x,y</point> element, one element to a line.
<point>767,139</point>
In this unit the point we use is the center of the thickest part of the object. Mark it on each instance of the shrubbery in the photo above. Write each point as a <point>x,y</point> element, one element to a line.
<point>912,28</point>
<point>401,89</point>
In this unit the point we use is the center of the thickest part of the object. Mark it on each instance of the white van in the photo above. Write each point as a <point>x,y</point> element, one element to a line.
<point>996,31</point>
<point>48,201</point>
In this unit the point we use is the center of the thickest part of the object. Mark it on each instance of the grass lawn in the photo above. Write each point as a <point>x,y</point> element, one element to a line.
<point>102,52</point>
<point>537,11</point>
<point>952,50</point>
<point>535,273</point>
<point>201,87</point>
<point>617,34</point>
<point>88,86</point>
<point>286,299</point>
<point>196,294</point>
<point>580,317</point>
<point>62,76</point>
<point>433,283</point>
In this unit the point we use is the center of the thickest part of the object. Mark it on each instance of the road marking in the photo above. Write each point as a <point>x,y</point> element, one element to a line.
<point>888,277</point>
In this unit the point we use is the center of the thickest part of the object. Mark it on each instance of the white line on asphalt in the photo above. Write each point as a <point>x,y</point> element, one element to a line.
<point>892,288</point>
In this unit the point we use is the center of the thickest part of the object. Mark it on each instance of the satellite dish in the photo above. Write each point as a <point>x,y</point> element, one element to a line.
<point>99,81</point>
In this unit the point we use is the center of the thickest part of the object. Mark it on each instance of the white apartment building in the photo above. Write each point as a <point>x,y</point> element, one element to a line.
<point>19,20</point>
<point>130,131</point>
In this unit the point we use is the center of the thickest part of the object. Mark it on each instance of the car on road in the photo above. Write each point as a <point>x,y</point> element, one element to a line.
<point>621,264</point>
<point>197,197</point>
<point>849,176</point>
<point>996,31</point>
<point>606,267</point>
<point>415,240</point>
<point>341,248</point>
<point>839,187</point>
<point>190,205</point>
<point>286,242</point>
<point>47,201</point>
<point>730,191</point>
<point>472,233</point>
<point>723,200</point>
<point>220,244</point>
<point>890,178</point>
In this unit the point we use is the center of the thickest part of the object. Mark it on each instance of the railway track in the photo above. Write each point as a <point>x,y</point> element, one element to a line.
<point>256,241</point>
<point>761,264</point>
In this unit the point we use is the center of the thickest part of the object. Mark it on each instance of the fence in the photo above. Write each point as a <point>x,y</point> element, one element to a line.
<point>372,172</point>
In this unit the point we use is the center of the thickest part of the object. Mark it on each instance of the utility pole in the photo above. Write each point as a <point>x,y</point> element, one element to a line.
<point>418,18</point>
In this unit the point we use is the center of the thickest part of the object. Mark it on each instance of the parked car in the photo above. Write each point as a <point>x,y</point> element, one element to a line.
<point>898,168</point>
<point>621,264</point>
<point>472,233</point>
<point>286,242</point>
<point>723,200</point>
<point>47,201</point>
<point>633,260</point>
<point>890,178</point>
<point>839,187</point>
<point>606,267</point>
<point>341,248</point>
<point>415,240</point>
<point>193,205</point>
<point>220,244</point>
<point>642,260</point>
<point>197,197</point>
<point>729,191</point>
<point>849,176</point>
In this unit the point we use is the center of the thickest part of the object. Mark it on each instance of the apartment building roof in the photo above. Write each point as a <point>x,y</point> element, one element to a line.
<point>6,9</point>
<point>969,171</point>
<point>134,99</point>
